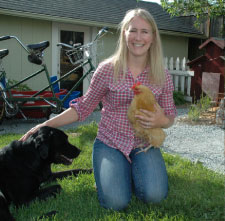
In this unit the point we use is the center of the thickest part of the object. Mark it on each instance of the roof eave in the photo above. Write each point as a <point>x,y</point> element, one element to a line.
<point>219,43</point>
<point>86,22</point>
<point>54,18</point>
<point>202,57</point>
<point>182,34</point>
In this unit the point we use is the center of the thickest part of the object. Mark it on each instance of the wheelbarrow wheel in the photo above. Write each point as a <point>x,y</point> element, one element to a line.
<point>2,104</point>
<point>12,110</point>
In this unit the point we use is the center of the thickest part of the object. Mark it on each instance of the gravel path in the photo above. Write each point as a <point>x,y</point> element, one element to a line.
<point>199,143</point>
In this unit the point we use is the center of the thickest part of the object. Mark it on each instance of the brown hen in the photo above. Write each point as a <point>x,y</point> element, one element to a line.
<point>144,99</point>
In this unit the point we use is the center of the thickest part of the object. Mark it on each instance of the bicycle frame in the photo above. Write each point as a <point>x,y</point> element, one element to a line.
<point>53,101</point>
<point>10,98</point>
<point>50,85</point>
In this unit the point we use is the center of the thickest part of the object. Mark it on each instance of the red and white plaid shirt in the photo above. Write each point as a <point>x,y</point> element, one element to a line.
<point>114,128</point>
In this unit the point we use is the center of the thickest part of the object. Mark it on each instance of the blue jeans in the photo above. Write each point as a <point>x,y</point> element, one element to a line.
<point>116,178</point>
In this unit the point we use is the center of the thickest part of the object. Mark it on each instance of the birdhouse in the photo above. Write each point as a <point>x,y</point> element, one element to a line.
<point>209,69</point>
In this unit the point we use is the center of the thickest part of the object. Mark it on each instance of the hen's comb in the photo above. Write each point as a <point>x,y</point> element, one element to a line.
<point>136,84</point>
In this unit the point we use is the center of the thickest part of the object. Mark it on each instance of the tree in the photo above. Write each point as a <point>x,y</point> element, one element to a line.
<point>201,9</point>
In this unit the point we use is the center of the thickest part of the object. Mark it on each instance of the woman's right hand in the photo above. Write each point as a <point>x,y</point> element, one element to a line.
<point>31,131</point>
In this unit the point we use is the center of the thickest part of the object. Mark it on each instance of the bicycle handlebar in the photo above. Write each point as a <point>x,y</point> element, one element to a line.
<point>101,31</point>
<point>9,37</point>
<point>69,46</point>
<point>5,38</point>
<point>77,45</point>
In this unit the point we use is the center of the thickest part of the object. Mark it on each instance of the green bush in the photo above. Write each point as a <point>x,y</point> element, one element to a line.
<point>194,112</point>
<point>205,102</point>
<point>178,97</point>
<point>197,109</point>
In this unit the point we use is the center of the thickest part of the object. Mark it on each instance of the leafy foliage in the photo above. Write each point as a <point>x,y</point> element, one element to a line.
<point>200,107</point>
<point>178,97</point>
<point>201,9</point>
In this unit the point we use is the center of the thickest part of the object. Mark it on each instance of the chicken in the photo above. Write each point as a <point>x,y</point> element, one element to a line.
<point>144,99</point>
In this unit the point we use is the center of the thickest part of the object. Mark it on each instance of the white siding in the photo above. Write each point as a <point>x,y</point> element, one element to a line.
<point>28,31</point>
<point>174,46</point>
<point>34,31</point>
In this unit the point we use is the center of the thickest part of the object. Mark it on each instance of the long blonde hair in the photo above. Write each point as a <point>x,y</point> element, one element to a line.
<point>155,56</point>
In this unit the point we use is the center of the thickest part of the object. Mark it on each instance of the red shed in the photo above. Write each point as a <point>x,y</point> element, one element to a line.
<point>212,62</point>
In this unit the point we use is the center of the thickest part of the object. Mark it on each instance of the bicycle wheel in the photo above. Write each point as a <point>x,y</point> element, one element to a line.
<point>2,104</point>
<point>58,109</point>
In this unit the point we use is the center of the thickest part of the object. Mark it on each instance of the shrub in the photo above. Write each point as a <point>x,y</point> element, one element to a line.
<point>197,109</point>
<point>205,102</point>
<point>178,97</point>
<point>194,112</point>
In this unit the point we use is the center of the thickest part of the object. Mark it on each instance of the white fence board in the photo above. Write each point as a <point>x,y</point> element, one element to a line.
<point>181,76</point>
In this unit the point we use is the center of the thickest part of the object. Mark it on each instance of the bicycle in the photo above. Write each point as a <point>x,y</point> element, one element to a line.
<point>11,102</point>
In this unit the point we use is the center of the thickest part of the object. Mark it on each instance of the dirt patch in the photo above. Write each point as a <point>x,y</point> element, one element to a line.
<point>206,118</point>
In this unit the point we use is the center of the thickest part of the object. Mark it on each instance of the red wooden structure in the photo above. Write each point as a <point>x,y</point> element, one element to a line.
<point>213,61</point>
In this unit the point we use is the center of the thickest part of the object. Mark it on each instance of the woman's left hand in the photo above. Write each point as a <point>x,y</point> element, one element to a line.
<point>151,119</point>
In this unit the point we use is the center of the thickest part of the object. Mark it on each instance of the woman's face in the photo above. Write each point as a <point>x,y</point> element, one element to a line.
<point>139,37</point>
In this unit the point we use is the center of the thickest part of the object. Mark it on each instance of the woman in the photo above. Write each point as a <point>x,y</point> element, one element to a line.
<point>118,170</point>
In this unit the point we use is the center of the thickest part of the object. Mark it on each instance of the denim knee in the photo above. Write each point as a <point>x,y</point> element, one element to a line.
<point>153,196</point>
<point>149,176</point>
<point>112,174</point>
<point>115,203</point>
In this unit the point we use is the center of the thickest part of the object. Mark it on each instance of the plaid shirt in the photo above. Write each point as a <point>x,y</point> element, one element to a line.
<point>114,128</point>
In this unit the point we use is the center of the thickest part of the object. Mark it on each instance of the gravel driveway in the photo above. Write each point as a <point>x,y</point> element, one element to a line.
<point>199,143</point>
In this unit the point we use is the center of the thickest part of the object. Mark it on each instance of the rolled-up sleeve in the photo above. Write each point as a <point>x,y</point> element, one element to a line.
<point>166,98</point>
<point>87,103</point>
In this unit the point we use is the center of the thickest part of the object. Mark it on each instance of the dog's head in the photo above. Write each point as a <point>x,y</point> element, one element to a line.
<point>53,146</point>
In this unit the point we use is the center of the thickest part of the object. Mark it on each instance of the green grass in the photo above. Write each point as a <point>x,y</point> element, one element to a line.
<point>195,193</point>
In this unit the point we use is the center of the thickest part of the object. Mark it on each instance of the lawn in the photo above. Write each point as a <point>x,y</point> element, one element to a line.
<point>195,193</point>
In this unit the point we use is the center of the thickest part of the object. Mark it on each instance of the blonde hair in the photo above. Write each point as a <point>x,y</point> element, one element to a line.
<point>155,56</point>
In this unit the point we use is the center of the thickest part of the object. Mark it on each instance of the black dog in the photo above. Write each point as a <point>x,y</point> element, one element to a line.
<point>24,166</point>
